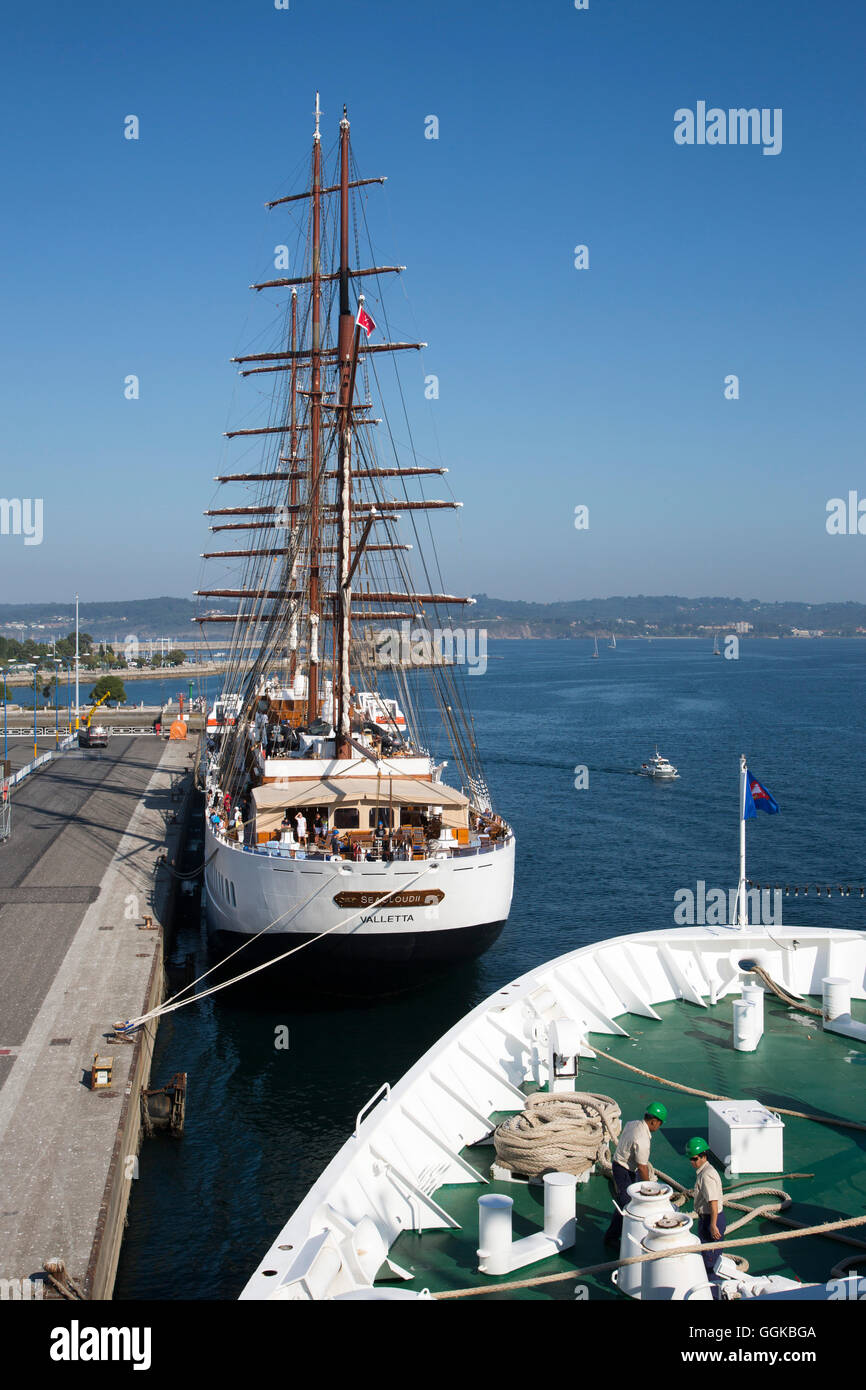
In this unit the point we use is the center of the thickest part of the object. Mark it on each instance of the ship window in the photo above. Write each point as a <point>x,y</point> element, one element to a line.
<point>346,818</point>
<point>385,815</point>
<point>410,815</point>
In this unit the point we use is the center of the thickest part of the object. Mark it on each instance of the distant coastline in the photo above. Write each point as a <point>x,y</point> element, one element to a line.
<point>160,624</point>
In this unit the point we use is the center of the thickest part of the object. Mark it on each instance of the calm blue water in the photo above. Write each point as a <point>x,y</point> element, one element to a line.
<point>151,692</point>
<point>262,1123</point>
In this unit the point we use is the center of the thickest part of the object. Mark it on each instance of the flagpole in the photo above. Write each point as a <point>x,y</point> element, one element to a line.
<point>742,914</point>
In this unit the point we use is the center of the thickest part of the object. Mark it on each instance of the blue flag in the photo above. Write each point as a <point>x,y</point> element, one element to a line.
<point>758,796</point>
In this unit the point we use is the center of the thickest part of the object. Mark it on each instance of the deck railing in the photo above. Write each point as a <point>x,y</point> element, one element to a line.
<point>276,850</point>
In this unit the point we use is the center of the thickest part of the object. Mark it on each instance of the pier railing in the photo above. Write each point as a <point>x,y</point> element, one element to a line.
<point>15,777</point>
<point>49,731</point>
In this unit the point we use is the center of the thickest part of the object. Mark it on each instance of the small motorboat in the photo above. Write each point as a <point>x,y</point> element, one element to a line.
<point>659,768</point>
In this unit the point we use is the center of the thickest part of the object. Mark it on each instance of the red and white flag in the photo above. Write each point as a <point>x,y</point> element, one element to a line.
<point>364,321</point>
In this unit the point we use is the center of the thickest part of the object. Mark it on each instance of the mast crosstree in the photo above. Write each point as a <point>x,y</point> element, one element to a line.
<point>324,565</point>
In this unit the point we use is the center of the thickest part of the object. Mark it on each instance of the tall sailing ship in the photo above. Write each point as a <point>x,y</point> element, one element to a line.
<point>330,824</point>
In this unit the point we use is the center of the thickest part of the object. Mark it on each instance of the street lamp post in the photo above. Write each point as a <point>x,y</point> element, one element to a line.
<point>56,702</point>
<point>5,725</point>
<point>35,679</point>
<point>77,706</point>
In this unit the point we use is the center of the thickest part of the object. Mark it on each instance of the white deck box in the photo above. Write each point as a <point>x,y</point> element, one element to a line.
<point>746,1136</point>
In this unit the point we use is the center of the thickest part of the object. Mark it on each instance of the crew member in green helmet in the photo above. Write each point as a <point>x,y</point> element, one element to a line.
<point>631,1161</point>
<point>709,1203</point>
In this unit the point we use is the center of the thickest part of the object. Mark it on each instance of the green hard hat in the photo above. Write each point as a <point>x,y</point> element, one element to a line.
<point>657,1111</point>
<point>696,1147</point>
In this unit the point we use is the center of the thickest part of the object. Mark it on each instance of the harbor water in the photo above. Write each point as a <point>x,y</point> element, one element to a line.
<point>274,1087</point>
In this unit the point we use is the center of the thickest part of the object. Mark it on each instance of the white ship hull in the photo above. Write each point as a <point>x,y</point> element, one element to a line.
<point>383,1181</point>
<point>435,911</point>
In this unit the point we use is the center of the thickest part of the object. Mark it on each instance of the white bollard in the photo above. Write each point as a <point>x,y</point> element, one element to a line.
<point>754,994</point>
<point>494,1233</point>
<point>560,1207</point>
<point>837,996</point>
<point>747,1025</point>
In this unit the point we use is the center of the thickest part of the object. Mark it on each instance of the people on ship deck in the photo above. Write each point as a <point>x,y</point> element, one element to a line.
<point>631,1162</point>
<point>709,1204</point>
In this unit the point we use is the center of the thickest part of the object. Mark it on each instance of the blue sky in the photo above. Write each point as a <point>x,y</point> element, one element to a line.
<point>557,386</point>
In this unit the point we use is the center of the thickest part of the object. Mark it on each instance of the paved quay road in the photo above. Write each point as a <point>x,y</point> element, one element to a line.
<point>67,820</point>
<point>77,877</point>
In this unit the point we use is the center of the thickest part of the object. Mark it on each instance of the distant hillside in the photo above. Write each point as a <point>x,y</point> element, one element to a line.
<point>663,615</point>
<point>145,617</point>
<point>641,615</point>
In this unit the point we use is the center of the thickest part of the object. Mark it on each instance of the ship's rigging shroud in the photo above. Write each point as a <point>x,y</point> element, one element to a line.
<point>292,596</point>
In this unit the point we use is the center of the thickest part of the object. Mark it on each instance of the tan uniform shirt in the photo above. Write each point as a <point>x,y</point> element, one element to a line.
<point>708,1188</point>
<point>633,1148</point>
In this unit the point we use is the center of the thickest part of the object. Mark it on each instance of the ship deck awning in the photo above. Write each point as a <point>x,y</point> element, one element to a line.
<point>357,791</point>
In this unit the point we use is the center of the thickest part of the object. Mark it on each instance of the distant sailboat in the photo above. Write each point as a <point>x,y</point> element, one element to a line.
<point>595,653</point>
<point>612,642</point>
<point>716,651</point>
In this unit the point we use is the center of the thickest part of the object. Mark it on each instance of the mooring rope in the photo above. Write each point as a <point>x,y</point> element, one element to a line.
<point>708,1095</point>
<point>826,1228</point>
<point>170,1007</point>
<point>794,1001</point>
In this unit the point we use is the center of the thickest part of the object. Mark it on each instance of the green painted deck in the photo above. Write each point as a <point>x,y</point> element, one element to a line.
<point>797,1065</point>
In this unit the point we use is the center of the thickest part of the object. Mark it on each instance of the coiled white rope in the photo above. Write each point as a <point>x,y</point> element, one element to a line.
<point>566,1132</point>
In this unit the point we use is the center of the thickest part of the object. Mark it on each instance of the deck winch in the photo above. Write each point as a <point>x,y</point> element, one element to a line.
<point>498,1253</point>
<point>679,1276</point>
<point>648,1203</point>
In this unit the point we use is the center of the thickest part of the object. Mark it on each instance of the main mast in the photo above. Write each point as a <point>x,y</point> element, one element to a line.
<point>347,357</point>
<point>310,601</point>
<point>313,591</point>
<point>293,485</point>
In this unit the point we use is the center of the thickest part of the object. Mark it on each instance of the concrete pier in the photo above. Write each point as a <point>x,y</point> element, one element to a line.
<point>78,876</point>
